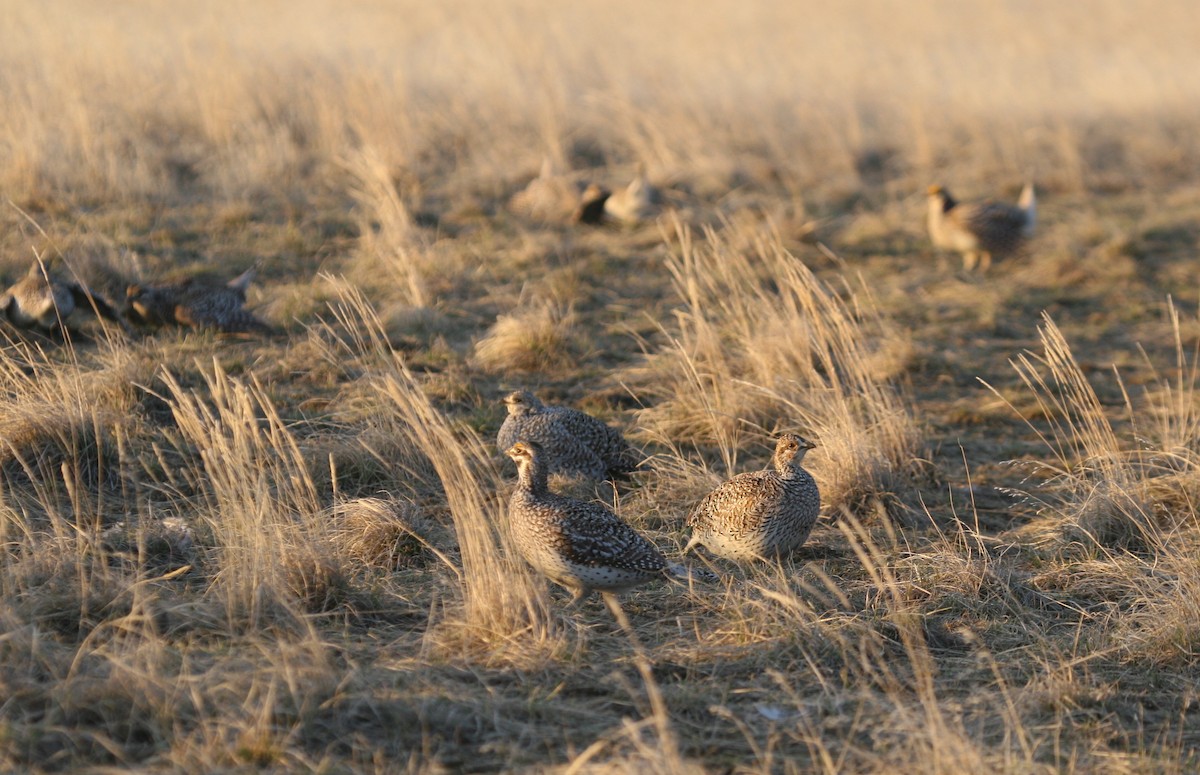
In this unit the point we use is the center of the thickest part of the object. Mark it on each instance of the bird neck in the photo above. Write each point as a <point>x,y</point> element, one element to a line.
<point>789,469</point>
<point>532,477</point>
<point>934,215</point>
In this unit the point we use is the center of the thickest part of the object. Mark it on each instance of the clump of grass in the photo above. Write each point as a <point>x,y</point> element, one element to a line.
<point>63,424</point>
<point>540,337</point>
<point>500,600</point>
<point>62,585</point>
<point>156,546</point>
<point>382,533</point>
<point>1130,502</point>
<point>389,238</point>
<point>273,547</point>
<point>1162,627</point>
<point>760,345</point>
<point>1101,490</point>
<point>851,676</point>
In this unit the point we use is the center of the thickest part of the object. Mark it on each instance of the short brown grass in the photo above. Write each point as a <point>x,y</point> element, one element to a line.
<point>290,554</point>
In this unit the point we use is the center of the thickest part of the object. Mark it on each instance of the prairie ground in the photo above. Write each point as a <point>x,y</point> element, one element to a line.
<point>289,552</point>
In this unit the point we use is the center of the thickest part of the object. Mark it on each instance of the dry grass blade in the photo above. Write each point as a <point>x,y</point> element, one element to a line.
<point>390,239</point>
<point>1134,502</point>
<point>1106,491</point>
<point>274,548</point>
<point>500,600</point>
<point>761,342</point>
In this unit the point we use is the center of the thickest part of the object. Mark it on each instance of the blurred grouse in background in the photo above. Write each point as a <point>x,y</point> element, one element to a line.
<point>980,230</point>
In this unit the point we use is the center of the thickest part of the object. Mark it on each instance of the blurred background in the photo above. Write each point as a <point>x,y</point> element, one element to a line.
<point>139,99</point>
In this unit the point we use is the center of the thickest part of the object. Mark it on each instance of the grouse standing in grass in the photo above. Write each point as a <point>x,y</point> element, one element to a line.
<point>762,513</point>
<point>574,442</point>
<point>196,303</point>
<point>579,545</point>
<point>980,230</point>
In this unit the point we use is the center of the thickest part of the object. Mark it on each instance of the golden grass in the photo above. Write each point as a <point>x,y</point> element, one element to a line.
<point>1134,493</point>
<point>539,338</point>
<point>290,554</point>
<point>272,543</point>
<point>497,613</point>
<point>381,533</point>
<point>389,237</point>
<point>1126,499</point>
<point>253,105</point>
<point>761,345</point>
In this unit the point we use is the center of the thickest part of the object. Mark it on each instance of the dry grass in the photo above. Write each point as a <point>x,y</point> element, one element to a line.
<point>290,554</point>
<point>761,345</point>
<point>469,483</point>
<point>539,338</point>
<point>388,534</point>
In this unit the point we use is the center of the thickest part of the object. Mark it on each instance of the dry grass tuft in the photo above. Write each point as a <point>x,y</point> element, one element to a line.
<point>391,248</point>
<point>1114,494</point>
<point>513,612</point>
<point>63,427</point>
<point>273,547</point>
<point>541,337</point>
<point>382,533</point>
<point>761,345</point>
<point>1130,505</point>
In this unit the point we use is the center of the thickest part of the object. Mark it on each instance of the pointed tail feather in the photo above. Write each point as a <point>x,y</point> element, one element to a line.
<point>1028,204</point>
<point>242,281</point>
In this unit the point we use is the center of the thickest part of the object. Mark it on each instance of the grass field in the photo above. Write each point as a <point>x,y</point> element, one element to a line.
<point>289,553</point>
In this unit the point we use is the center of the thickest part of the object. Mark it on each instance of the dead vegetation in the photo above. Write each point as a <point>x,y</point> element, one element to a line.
<point>290,553</point>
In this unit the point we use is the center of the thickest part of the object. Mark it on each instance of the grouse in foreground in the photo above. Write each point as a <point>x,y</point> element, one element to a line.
<point>579,545</point>
<point>760,513</point>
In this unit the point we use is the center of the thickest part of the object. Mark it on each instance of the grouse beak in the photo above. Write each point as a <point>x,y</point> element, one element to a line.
<point>808,445</point>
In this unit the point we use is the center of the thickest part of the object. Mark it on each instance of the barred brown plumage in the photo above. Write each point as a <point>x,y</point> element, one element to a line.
<point>43,300</point>
<point>761,513</point>
<point>578,545</point>
<point>196,303</point>
<point>574,442</point>
<point>981,230</point>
